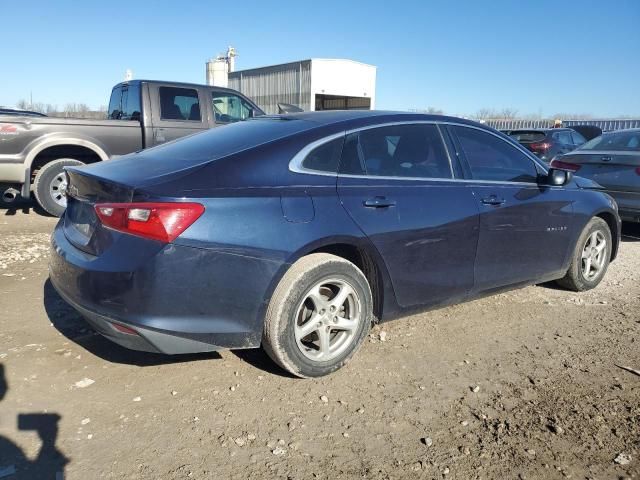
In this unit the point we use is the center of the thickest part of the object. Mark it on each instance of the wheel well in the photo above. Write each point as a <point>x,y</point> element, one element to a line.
<point>77,152</point>
<point>364,261</point>
<point>613,227</point>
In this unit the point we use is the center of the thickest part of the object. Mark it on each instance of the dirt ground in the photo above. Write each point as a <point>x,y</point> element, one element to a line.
<point>519,385</point>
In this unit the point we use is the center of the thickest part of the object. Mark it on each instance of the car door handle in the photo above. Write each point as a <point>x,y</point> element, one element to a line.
<point>493,200</point>
<point>379,202</point>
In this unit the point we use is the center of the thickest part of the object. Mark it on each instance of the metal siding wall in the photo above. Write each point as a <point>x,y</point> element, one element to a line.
<point>268,86</point>
<point>605,125</point>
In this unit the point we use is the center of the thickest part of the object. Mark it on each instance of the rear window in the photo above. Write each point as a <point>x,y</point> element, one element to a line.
<point>527,136</point>
<point>615,142</point>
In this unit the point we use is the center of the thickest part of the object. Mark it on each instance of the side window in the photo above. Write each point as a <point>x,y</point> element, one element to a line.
<point>411,151</point>
<point>131,103</point>
<point>577,138</point>
<point>115,109</point>
<point>325,158</point>
<point>179,104</point>
<point>229,108</point>
<point>564,137</point>
<point>491,158</point>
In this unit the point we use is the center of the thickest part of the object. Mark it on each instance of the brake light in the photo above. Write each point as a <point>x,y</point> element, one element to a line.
<point>637,170</point>
<point>572,167</point>
<point>540,147</point>
<point>158,221</point>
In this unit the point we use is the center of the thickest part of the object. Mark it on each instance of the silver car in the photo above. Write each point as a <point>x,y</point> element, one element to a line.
<point>613,161</point>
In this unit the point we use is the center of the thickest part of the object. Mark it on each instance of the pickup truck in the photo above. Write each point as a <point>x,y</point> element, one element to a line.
<point>35,150</point>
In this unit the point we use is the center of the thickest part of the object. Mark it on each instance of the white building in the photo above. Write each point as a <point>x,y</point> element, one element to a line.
<point>315,84</point>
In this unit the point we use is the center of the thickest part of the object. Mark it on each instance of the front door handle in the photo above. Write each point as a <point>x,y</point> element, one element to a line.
<point>379,202</point>
<point>493,200</point>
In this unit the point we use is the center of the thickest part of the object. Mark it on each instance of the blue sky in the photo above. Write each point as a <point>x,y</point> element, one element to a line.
<point>540,57</point>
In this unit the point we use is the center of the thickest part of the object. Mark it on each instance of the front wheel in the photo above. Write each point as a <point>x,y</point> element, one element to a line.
<point>590,258</point>
<point>50,185</point>
<point>318,316</point>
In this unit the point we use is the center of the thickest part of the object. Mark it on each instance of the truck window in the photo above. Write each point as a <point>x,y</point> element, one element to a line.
<point>229,108</point>
<point>115,109</point>
<point>179,104</point>
<point>131,102</point>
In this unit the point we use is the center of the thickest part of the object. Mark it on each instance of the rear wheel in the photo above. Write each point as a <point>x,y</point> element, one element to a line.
<point>591,257</point>
<point>318,316</point>
<point>50,185</point>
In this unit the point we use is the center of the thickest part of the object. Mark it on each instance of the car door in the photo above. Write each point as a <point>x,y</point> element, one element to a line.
<point>396,183</point>
<point>176,112</point>
<point>525,225</point>
<point>230,108</point>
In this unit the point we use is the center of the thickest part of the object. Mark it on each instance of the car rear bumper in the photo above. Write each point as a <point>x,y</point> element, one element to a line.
<point>177,299</point>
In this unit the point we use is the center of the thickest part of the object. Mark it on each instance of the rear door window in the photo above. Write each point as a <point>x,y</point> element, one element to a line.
<point>230,108</point>
<point>408,151</point>
<point>492,158</point>
<point>179,104</point>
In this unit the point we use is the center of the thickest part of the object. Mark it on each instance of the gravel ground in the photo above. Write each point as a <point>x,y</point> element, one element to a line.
<point>520,385</point>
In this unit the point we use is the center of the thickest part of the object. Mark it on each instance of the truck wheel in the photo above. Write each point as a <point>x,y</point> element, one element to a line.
<point>590,257</point>
<point>50,185</point>
<point>318,316</point>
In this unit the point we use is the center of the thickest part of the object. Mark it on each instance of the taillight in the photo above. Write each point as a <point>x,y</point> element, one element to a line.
<point>158,221</point>
<point>540,147</point>
<point>637,170</point>
<point>572,167</point>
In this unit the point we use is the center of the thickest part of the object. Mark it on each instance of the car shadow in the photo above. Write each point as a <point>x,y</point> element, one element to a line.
<point>71,324</point>
<point>49,462</point>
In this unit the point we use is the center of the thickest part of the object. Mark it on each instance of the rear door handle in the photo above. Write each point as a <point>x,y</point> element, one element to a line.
<point>379,202</point>
<point>493,200</point>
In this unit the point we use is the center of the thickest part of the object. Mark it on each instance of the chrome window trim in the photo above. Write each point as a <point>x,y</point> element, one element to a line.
<point>295,165</point>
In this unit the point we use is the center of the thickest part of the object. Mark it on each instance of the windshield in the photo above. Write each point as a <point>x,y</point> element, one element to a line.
<point>622,141</point>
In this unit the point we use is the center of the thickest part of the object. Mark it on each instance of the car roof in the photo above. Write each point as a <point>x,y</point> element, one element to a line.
<point>176,84</point>
<point>355,117</point>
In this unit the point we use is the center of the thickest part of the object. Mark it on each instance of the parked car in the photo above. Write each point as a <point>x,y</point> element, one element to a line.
<point>613,161</point>
<point>295,231</point>
<point>18,111</point>
<point>34,150</point>
<point>546,143</point>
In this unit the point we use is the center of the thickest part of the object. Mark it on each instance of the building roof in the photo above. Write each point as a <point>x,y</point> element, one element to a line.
<point>276,65</point>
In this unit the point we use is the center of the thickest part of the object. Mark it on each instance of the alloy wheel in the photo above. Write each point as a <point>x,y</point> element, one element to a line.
<point>327,320</point>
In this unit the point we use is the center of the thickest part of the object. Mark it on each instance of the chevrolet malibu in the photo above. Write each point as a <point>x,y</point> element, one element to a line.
<point>296,232</point>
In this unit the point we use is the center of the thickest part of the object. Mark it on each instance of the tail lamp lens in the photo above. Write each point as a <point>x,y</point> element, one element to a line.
<point>157,221</point>
<point>540,147</point>
<point>572,167</point>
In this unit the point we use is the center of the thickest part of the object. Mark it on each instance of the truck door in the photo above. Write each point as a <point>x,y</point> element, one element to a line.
<point>176,112</point>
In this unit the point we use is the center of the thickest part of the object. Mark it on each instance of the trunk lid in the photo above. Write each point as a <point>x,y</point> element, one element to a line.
<point>614,170</point>
<point>81,224</point>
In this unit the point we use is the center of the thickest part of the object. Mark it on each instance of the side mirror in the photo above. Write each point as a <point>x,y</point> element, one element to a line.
<point>557,178</point>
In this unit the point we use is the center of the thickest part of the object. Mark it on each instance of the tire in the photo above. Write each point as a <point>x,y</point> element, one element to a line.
<point>577,278</point>
<point>318,283</point>
<point>50,185</point>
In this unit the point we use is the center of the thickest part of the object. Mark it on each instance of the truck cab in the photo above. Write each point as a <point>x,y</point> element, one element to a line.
<point>142,113</point>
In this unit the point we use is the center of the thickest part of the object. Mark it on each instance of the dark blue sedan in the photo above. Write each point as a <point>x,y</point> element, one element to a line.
<point>295,232</point>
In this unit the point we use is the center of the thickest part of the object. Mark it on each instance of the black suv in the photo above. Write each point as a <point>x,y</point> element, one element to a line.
<point>546,143</point>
